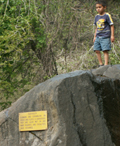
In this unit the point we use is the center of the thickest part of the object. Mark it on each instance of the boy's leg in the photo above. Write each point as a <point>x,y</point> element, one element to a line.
<point>106,46</point>
<point>97,48</point>
<point>99,57</point>
<point>106,57</point>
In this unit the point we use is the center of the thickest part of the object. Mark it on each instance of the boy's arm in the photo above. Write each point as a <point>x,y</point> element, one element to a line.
<point>112,33</point>
<point>95,35</point>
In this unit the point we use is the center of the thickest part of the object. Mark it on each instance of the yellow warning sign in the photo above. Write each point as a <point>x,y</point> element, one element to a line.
<point>30,121</point>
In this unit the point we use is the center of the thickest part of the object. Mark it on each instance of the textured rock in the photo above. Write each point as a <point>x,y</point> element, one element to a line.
<point>83,110</point>
<point>100,71</point>
<point>108,71</point>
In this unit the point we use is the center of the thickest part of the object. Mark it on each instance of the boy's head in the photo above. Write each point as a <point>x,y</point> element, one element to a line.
<point>100,7</point>
<point>103,3</point>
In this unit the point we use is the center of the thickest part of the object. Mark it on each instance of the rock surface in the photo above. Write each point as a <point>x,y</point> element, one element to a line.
<point>83,110</point>
<point>108,71</point>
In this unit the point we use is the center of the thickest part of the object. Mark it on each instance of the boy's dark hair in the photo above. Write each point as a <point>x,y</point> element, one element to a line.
<point>103,3</point>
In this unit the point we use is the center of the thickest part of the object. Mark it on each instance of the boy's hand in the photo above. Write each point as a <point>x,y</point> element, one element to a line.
<point>112,39</point>
<point>94,39</point>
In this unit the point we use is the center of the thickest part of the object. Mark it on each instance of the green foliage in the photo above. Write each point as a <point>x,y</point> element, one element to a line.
<point>5,104</point>
<point>19,25</point>
<point>114,55</point>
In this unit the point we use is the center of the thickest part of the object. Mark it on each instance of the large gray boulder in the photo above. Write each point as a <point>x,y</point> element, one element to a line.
<point>83,110</point>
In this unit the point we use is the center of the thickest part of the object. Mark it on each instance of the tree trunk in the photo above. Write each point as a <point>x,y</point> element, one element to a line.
<point>47,59</point>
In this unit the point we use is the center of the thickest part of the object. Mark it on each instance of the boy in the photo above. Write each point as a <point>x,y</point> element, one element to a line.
<point>104,32</point>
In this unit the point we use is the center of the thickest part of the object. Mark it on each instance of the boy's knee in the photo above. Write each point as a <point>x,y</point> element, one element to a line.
<point>97,51</point>
<point>106,51</point>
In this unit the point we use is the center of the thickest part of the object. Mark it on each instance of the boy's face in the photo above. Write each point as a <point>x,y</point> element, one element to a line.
<point>100,9</point>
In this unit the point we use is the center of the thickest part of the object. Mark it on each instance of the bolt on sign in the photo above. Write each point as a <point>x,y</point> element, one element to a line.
<point>31,121</point>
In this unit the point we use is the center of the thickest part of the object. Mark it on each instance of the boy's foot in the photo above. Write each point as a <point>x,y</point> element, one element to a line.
<point>101,65</point>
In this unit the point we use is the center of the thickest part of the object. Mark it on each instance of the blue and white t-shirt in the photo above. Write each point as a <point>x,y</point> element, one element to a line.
<point>103,25</point>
